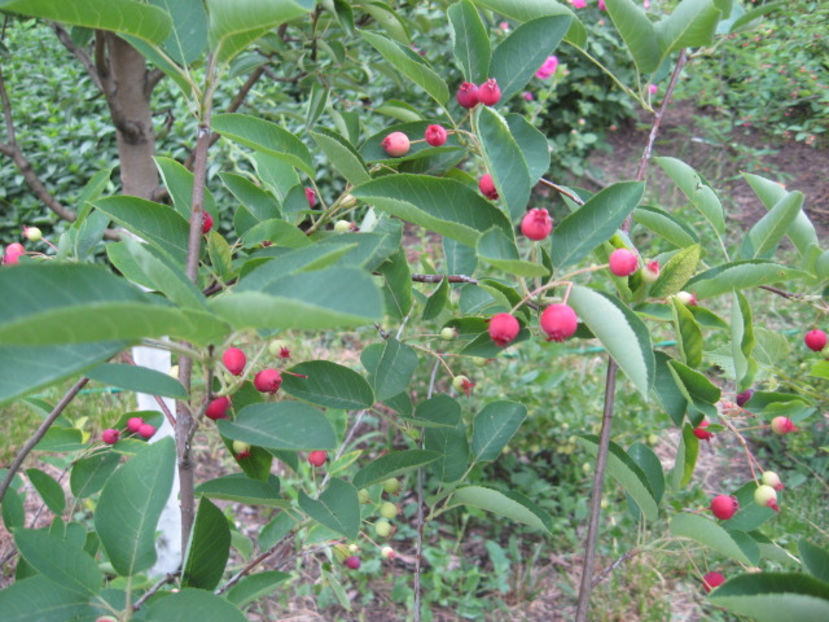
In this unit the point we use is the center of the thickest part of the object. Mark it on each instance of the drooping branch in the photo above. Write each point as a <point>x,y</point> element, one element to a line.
<point>78,52</point>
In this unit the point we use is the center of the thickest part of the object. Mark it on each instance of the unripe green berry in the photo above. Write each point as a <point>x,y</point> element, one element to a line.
<point>382,528</point>
<point>765,496</point>
<point>770,478</point>
<point>342,226</point>
<point>389,510</point>
<point>363,496</point>
<point>391,486</point>
<point>275,346</point>
<point>33,234</point>
<point>448,333</point>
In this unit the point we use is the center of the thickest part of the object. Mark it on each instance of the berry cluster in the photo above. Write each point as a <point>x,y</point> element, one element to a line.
<point>135,425</point>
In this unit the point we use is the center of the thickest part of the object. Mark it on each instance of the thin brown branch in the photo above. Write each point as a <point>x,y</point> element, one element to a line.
<point>562,190</point>
<point>153,78</point>
<point>168,578</point>
<point>780,292</point>
<point>79,53</point>
<point>437,278</point>
<point>158,399</point>
<point>609,570</point>
<point>249,566</point>
<point>101,66</point>
<point>40,433</point>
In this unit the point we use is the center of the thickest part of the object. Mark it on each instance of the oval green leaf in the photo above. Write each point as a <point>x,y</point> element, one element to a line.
<point>393,464</point>
<point>280,425</point>
<point>328,384</point>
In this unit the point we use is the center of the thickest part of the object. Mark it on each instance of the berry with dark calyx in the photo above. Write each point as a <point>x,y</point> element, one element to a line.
<point>388,510</point>
<point>234,361</point>
<point>382,528</point>
<point>559,322</point>
<point>388,553</point>
<point>391,485</point>
<point>687,298</point>
<point>770,478</point>
<point>206,223</point>
<point>650,271</point>
<point>33,234</point>
<point>279,348</point>
<point>134,423</point>
<point>467,95</point>
<point>766,496</point>
<point>744,397</point>
<point>815,340</point>
<point>311,196</point>
<point>701,433</point>
<point>352,562</point>
<point>537,224</point>
<point>396,144</point>
<point>724,506</point>
<point>782,425</point>
<point>146,430</point>
<point>487,187</point>
<point>110,436</point>
<point>489,93</point>
<point>712,580</point>
<point>268,380</point>
<point>217,409</point>
<point>623,262</point>
<point>462,383</point>
<point>503,328</point>
<point>241,449</point>
<point>317,458</point>
<point>435,135</point>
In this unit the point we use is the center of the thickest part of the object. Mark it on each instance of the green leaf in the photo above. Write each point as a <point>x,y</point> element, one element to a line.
<point>651,467</point>
<point>328,384</point>
<point>519,56</point>
<point>280,425</point>
<point>193,604</point>
<point>815,559</point>
<point>524,10</point>
<point>437,301</point>
<point>620,331</point>
<point>667,391</point>
<point>342,155</point>
<point>688,333</point>
<point>801,232</point>
<point>138,379</point>
<point>676,272</point>
<point>13,514</point>
<point>512,506</point>
<point>445,206</point>
<point>397,288</point>
<point>494,426</point>
<point>686,458</point>
<point>38,598</point>
<point>665,225</point>
<point>410,65</point>
<point>773,596</point>
<point>259,203</point>
<point>627,473</point>
<point>594,222</point>
<point>131,504</point>
<point>255,586</point>
<point>240,488</point>
<point>533,145</point>
<point>337,508</point>
<point>274,531</point>
<point>767,232</point>
<point>89,475</point>
<point>179,182</point>
<point>48,489</point>
<point>389,20</point>
<point>470,42</point>
<point>122,16</point>
<point>208,549</point>
<point>700,194</point>
<point>330,298</point>
<point>637,32</point>
<point>739,275</point>
<point>445,434</point>
<point>459,258</point>
<point>708,533</point>
<point>696,384</point>
<point>394,369</point>
<point>393,464</point>
<point>742,341</point>
<point>188,39</point>
<point>504,160</point>
<point>749,516</point>
<point>691,24</point>
<point>69,566</point>
<point>500,251</point>
<point>266,137</point>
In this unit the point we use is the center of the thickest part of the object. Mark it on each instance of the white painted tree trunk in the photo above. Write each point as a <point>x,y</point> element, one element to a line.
<point>168,544</point>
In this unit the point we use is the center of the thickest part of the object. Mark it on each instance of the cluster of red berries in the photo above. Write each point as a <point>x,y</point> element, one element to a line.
<point>488,93</point>
<point>267,381</point>
<point>397,144</point>
<point>135,425</point>
<point>558,321</point>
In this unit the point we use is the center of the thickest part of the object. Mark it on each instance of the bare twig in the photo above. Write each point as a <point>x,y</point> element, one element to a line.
<point>249,566</point>
<point>562,190</point>
<point>40,433</point>
<point>609,570</point>
<point>780,292</point>
<point>168,578</point>
<point>79,53</point>
<point>437,278</point>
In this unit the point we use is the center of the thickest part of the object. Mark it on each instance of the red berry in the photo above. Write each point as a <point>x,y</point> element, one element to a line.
<point>815,339</point>
<point>353,562</point>
<point>489,93</point>
<point>467,95</point>
<point>396,144</point>
<point>134,423</point>
<point>146,430</point>
<point>268,380</point>
<point>217,409</point>
<point>712,580</point>
<point>311,195</point>
<point>537,224</point>
<point>623,262</point>
<point>206,223</point>
<point>435,135</point>
<point>724,506</point>
<point>234,360</point>
<point>13,253</point>
<point>503,328</point>
<point>487,187</point>
<point>317,457</point>
<point>110,436</point>
<point>701,433</point>
<point>744,397</point>
<point>559,321</point>
<point>783,425</point>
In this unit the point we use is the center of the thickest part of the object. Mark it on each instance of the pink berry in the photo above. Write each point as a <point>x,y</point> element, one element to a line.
<point>435,135</point>
<point>206,223</point>
<point>234,360</point>
<point>317,458</point>
<point>353,562</point>
<point>537,224</point>
<point>815,340</point>
<point>623,262</point>
<point>712,580</point>
<point>783,425</point>
<point>311,196</point>
<point>559,322</point>
<point>146,430</point>
<point>650,272</point>
<point>396,144</point>
<point>487,187</point>
<point>701,433</point>
<point>744,397</point>
<point>467,95</point>
<point>489,93</point>
<point>217,409</point>
<point>503,328</point>
<point>12,254</point>
<point>110,436</point>
<point>724,506</point>
<point>134,423</point>
<point>268,380</point>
